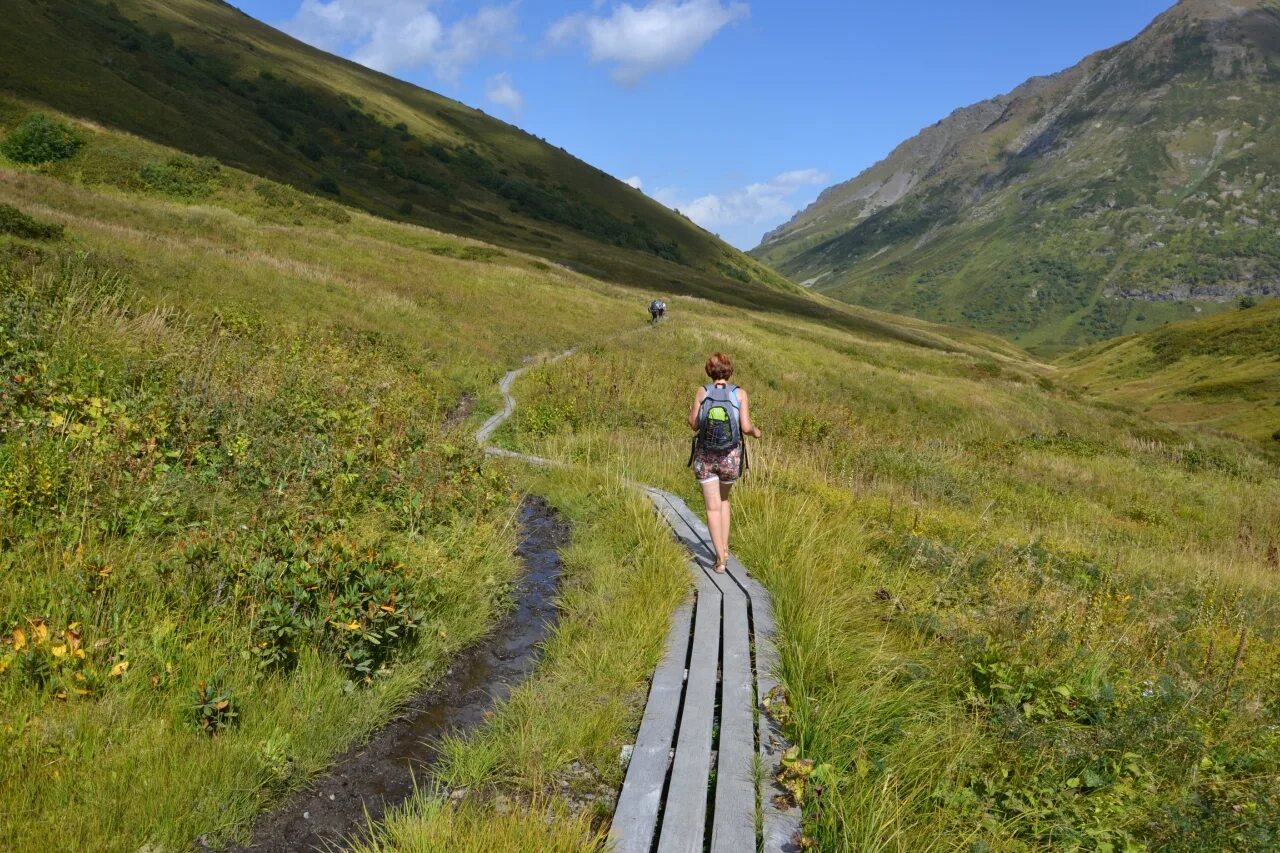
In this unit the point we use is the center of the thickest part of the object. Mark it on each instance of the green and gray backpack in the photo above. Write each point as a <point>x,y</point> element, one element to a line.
<point>719,430</point>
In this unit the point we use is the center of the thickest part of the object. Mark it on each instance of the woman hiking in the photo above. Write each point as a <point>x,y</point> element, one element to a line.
<point>721,415</point>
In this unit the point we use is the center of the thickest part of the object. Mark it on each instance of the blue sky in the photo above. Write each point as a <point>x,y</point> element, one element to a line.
<point>738,112</point>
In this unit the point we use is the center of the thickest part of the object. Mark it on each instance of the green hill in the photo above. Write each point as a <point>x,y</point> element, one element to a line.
<point>1221,372</point>
<point>236,467</point>
<point>1118,194</point>
<point>205,78</point>
<point>228,407</point>
<point>243,521</point>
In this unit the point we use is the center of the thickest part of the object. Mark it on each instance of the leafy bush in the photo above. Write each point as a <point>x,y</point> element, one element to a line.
<point>303,207</point>
<point>58,661</point>
<point>467,253</point>
<point>17,223</point>
<point>40,139</point>
<point>182,177</point>
<point>320,587</point>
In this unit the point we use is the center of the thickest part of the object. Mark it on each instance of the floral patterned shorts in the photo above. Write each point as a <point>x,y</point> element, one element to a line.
<point>725,467</point>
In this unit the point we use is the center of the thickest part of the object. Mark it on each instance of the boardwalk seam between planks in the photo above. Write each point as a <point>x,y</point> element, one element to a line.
<point>726,632</point>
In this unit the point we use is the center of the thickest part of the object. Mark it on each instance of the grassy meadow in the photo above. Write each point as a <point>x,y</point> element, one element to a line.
<point>1220,372</point>
<point>242,519</point>
<point>1011,619</point>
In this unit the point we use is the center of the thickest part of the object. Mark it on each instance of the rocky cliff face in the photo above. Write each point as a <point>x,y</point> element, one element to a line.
<point>1053,214</point>
<point>923,156</point>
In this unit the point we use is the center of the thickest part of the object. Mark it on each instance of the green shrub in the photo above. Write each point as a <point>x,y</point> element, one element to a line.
<point>17,223</point>
<point>182,177</point>
<point>319,587</point>
<point>213,708</point>
<point>40,139</point>
<point>283,201</point>
<point>328,185</point>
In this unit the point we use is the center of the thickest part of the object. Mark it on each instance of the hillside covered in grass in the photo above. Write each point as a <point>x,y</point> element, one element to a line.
<point>1111,197</point>
<point>241,513</point>
<point>1221,372</point>
<point>1011,618</point>
<point>207,79</point>
<point>242,519</point>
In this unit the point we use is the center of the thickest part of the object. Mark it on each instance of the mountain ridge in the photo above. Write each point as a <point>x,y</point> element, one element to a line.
<point>1096,201</point>
<point>204,77</point>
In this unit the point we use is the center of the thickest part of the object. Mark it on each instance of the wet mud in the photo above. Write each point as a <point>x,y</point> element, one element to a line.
<point>382,772</point>
<point>465,406</point>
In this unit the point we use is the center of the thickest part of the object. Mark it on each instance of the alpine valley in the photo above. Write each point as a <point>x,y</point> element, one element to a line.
<point>1134,188</point>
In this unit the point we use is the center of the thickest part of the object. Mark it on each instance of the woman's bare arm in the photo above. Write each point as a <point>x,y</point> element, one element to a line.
<point>744,416</point>
<point>697,404</point>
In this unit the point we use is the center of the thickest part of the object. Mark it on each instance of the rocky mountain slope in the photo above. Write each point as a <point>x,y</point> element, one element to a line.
<point>203,77</point>
<point>1136,187</point>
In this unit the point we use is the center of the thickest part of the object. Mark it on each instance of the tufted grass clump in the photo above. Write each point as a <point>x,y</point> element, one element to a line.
<point>14,221</point>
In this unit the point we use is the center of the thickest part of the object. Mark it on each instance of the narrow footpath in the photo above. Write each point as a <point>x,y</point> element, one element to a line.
<point>702,772</point>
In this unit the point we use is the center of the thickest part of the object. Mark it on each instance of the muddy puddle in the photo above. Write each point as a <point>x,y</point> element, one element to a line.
<point>381,772</point>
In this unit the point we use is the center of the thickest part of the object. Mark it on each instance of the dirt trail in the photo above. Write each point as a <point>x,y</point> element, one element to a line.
<point>382,771</point>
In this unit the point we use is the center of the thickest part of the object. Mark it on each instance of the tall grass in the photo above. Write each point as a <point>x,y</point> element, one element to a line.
<point>200,401</point>
<point>428,826</point>
<point>557,741</point>
<point>1009,618</point>
<point>156,473</point>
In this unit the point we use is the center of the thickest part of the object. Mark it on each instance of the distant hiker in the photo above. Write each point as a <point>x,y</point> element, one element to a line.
<point>721,416</point>
<point>662,309</point>
<point>656,309</point>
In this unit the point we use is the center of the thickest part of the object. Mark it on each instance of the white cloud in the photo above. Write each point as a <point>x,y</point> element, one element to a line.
<point>658,35</point>
<point>389,35</point>
<point>634,181</point>
<point>500,90</point>
<point>754,204</point>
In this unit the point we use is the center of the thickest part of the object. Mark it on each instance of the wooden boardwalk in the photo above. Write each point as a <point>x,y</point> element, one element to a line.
<point>671,800</point>
<point>706,756</point>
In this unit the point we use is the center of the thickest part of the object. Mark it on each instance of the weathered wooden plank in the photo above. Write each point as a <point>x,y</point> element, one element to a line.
<point>685,809</point>
<point>733,824</point>
<point>508,401</point>
<point>780,824</point>
<point>693,536</point>
<point>690,519</point>
<point>635,821</point>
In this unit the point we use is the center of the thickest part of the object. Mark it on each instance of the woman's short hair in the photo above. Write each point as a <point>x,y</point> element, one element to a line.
<point>719,366</point>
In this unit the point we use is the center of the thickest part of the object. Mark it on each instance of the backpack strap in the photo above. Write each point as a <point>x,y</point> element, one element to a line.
<point>706,395</point>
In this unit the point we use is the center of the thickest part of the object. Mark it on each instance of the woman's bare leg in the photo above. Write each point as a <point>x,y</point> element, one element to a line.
<point>723,545</point>
<point>715,515</point>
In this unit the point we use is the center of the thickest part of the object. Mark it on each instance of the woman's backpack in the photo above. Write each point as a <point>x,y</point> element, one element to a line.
<point>719,430</point>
